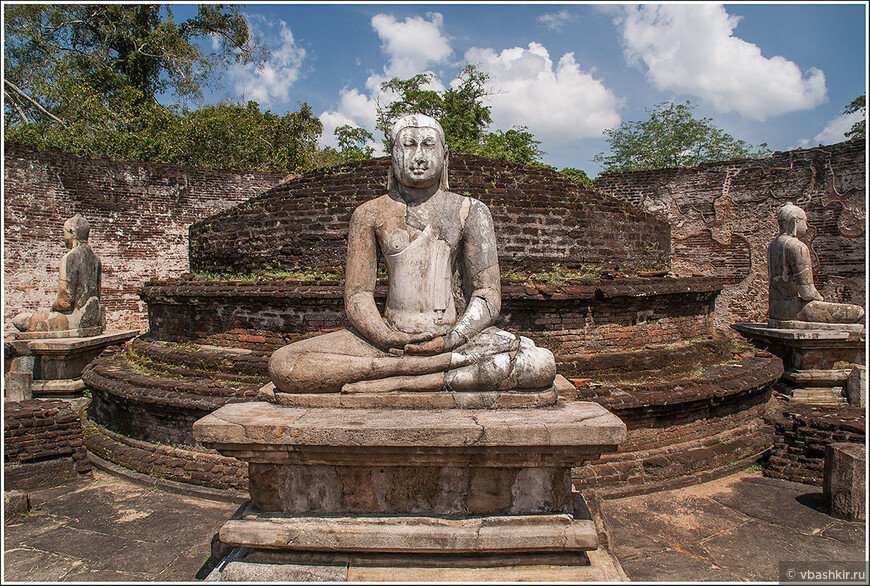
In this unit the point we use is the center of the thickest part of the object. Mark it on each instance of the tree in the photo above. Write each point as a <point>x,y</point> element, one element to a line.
<point>111,47</point>
<point>352,143</point>
<point>672,137</point>
<point>577,175</point>
<point>86,79</point>
<point>462,115</point>
<point>859,129</point>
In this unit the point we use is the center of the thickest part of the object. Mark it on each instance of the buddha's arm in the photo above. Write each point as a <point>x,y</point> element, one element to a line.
<point>802,268</point>
<point>481,267</point>
<point>65,287</point>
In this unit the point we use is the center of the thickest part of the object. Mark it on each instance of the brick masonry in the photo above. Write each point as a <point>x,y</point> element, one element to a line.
<point>42,431</point>
<point>139,215</point>
<point>801,434</point>
<point>572,318</point>
<point>540,217</point>
<point>723,218</point>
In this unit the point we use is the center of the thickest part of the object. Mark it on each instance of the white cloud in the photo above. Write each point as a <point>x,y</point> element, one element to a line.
<point>559,104</point>
<point>835,130</point>
<point>556,20</point>
<point>411,47</point>
<point>270,82</point>
<point>690,49</point>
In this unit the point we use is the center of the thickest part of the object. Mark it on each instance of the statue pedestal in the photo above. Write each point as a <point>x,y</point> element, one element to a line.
<point>406,486</point>
<point>818,358</point>
<point>54,364</point>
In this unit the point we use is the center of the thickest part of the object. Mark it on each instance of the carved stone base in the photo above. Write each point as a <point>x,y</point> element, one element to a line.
<point>56,364</point>
<point>412,482</point>
<point>817,358</point>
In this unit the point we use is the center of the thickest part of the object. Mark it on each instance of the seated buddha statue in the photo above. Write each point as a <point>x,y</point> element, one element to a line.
<point>76,310</point>
<point>793,295</point>
<point>426,234</point>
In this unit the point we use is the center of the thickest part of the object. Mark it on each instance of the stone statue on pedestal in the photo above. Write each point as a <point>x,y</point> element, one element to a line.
<point>425,233</point>
<point>793,296</point>
<point>76,311</point>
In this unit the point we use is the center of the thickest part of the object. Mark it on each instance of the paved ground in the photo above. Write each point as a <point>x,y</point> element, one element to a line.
<point>737,528</point>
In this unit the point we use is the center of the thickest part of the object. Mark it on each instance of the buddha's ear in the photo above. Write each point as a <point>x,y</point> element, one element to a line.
<point>444,185</point>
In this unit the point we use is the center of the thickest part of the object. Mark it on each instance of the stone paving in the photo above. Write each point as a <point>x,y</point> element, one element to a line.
<point>737,528</point>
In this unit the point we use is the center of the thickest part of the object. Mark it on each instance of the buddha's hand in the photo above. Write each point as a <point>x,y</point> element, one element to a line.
<point>445,342</point>
<point>403,340</point>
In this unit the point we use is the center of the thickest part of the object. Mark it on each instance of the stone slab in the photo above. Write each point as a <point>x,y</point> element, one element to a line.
<point>844,484</point>
<point>817,377</point>
<point>61,346</point>
<point>593,566</point>
<point>818,334</point>
<point>68,386</point>
<point>576,425</point>
<point>809,325</point>
<point>18,386</point>
<point>412,534</point>
<point>856,387</point>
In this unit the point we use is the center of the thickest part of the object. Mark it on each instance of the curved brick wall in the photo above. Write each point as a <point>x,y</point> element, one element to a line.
<point>572,318</point>
<point>540,217</point>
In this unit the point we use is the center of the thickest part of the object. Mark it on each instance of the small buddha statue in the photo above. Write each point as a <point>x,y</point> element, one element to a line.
<point>76,311</point>
<point>793,296</point>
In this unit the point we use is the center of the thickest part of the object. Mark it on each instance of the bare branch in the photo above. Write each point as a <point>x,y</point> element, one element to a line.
<point>38,106</point>
<point>14,102</point>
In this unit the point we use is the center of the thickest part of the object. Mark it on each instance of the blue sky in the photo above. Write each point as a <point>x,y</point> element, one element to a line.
<point>776,73</point>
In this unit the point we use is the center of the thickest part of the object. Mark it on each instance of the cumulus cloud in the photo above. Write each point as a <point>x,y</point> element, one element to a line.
<point>559,103</point>
<point>270,82</point>
<point>691,49</point>
<point>834,131</point>
<point>556,20</point>
<point>411,46</point>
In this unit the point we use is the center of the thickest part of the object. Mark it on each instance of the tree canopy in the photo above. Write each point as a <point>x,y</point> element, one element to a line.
<point>87,78</point>
<point>672,137</point>
<point>859,128</point>
<point>463,115</point>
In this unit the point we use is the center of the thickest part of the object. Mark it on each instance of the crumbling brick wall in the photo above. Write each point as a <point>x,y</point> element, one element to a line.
<point>723,218</point>
<point>540,216</point>
<point>39,430</point>
<point>139,215</point>
<point>801,434</point>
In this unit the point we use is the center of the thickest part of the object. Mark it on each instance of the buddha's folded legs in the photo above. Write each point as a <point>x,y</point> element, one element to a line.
<point>830,313</point>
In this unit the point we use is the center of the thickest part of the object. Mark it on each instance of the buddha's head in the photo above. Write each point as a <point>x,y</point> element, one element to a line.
<point>76,231</point>
<point>792,220</point>
<point>419,152</point>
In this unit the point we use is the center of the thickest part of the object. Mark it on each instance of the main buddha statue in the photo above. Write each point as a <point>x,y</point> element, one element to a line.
<point>76,310</point>
<point>425,234</point>
<point>793,295</point>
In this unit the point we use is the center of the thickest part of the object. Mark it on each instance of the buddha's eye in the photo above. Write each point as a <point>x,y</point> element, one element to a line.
<point>429,142</point>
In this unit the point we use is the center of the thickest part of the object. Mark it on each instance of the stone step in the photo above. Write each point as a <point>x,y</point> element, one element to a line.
<point>817,377</point>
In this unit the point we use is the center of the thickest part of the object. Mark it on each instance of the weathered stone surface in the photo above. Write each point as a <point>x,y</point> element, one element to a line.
<point>15,504</point>
<point>856,387</point>
<point>417,534</point>
<point>845,480</point>
<point>18,386</point>
<point>258,425</point>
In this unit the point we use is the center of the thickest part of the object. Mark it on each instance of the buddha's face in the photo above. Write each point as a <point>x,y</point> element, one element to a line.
<point>800,225</point>
<point>68,238</point>
<point>418,157</point>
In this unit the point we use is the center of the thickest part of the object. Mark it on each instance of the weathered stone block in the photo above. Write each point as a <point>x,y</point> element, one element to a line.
<point>856,387</point>
<point>845,481</point>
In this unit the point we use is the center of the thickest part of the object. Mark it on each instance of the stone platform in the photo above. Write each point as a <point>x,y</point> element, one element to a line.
<point>55,364</point>
<point>462,485</point>
<point>818,358</point>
